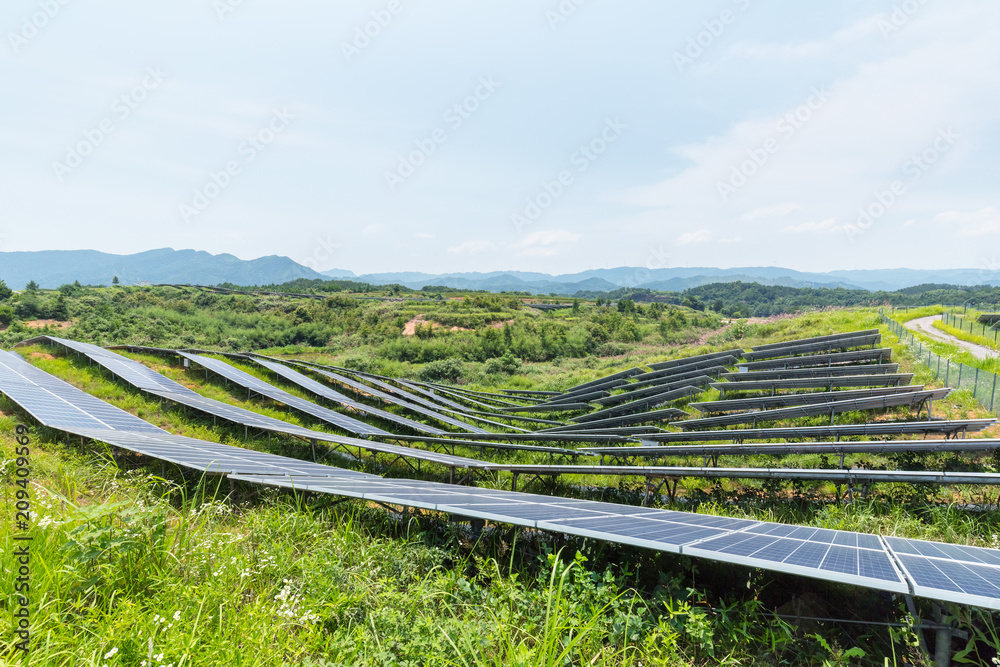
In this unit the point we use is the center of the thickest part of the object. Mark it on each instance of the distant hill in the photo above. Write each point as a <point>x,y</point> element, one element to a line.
<point>52,268</point>
<point>677,279</point>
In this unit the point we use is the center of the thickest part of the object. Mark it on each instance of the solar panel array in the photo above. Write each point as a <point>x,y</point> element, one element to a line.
<point>327,392</point>
<point>362,388</point>
<point>944,572</point>
<point>268,390</point>
<point>129,369</point>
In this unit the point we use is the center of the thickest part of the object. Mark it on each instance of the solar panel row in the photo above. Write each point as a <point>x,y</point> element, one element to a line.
<point>939,571</point>
<point>797,348</point>
<point>778,400</point>
<point>784,449</point>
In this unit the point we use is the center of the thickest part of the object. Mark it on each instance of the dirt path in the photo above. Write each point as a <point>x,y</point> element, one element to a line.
<point>925,325</point>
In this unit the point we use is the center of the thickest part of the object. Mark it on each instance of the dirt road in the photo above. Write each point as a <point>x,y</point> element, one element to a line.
<point>925,325</point>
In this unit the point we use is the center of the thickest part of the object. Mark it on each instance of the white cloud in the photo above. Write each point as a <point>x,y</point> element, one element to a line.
<point>829,225</point>
<point>373,229</point>
<point>771,211</point>
<point>547,238</point>
<point>423,235</point>
<point>972,223</point>
<point>473,247</point>
<point>818,49</point>
<point>700,236</point>
<point>731,239</point>
<point>888,105</point>
<point>545,243</point>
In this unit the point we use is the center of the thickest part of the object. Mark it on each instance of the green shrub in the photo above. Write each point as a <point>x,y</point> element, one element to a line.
<point>443,369</point>
<point>508,364</point>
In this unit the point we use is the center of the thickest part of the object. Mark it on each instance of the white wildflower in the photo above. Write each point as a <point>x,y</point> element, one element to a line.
<point>110,654</point>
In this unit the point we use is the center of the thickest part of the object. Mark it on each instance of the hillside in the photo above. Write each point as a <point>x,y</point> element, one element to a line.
<point>52,268</point>
<point>57,267</point>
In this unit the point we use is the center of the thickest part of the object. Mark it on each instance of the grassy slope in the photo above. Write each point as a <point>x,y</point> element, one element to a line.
<point>391,591</point>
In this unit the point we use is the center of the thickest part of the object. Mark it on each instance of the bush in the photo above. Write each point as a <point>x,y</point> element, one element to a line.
<point>443,369</point>
<point>508,364</point>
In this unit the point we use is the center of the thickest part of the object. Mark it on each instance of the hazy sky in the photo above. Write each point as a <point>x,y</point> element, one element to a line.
<point>541,135</point>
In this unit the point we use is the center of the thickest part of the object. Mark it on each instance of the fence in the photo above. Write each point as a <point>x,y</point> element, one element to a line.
<point>973,327</point>
<point>982,384</point>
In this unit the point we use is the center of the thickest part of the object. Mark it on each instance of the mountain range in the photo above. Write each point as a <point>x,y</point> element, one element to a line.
<point>52,268</point>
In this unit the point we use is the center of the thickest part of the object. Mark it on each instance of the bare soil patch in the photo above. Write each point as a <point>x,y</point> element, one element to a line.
<point>38,324</point>
<point>410,328</point>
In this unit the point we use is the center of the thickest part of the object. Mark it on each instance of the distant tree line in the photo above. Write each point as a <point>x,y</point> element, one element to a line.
<point>739,299</point>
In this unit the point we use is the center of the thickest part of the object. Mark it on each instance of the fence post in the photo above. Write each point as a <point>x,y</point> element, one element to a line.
<point>960,366</point>
<point>947,372</point>
<point>993,395</point>
<point>975,389</point>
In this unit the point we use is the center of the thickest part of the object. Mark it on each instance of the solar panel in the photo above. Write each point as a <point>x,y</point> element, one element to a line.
<point>821,372</point>
<point>325,391</point>
<point>844,476</point>
<point>881,355</point>
<point>667,414</point>
<point>640,404</point>
<point>211,457</point>
<point>942,427</point>
<point>607,378</point>
<point>831,383</point>
<point>780,400</point>
<point>552,407</point>
<point>784,449</point>
<point>683,361</point>
<point>830,555</point>
<point>814,348</point>
<point>365,389</point>
<point>250,382</point>
<point>678,372</point>
<point>816,339</point>
<point>59,404</point>
<point>653,389</point>
<point>967,575</point>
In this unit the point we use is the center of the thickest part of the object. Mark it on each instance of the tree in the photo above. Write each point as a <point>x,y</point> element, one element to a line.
<point>60,311</point>
<point>5,292</point>
<point>114,281</point>
<point>717,306</point>
<point>32,286</point>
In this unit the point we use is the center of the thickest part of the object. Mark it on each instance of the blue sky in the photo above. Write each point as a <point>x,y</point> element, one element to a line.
<point>391,135</point>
